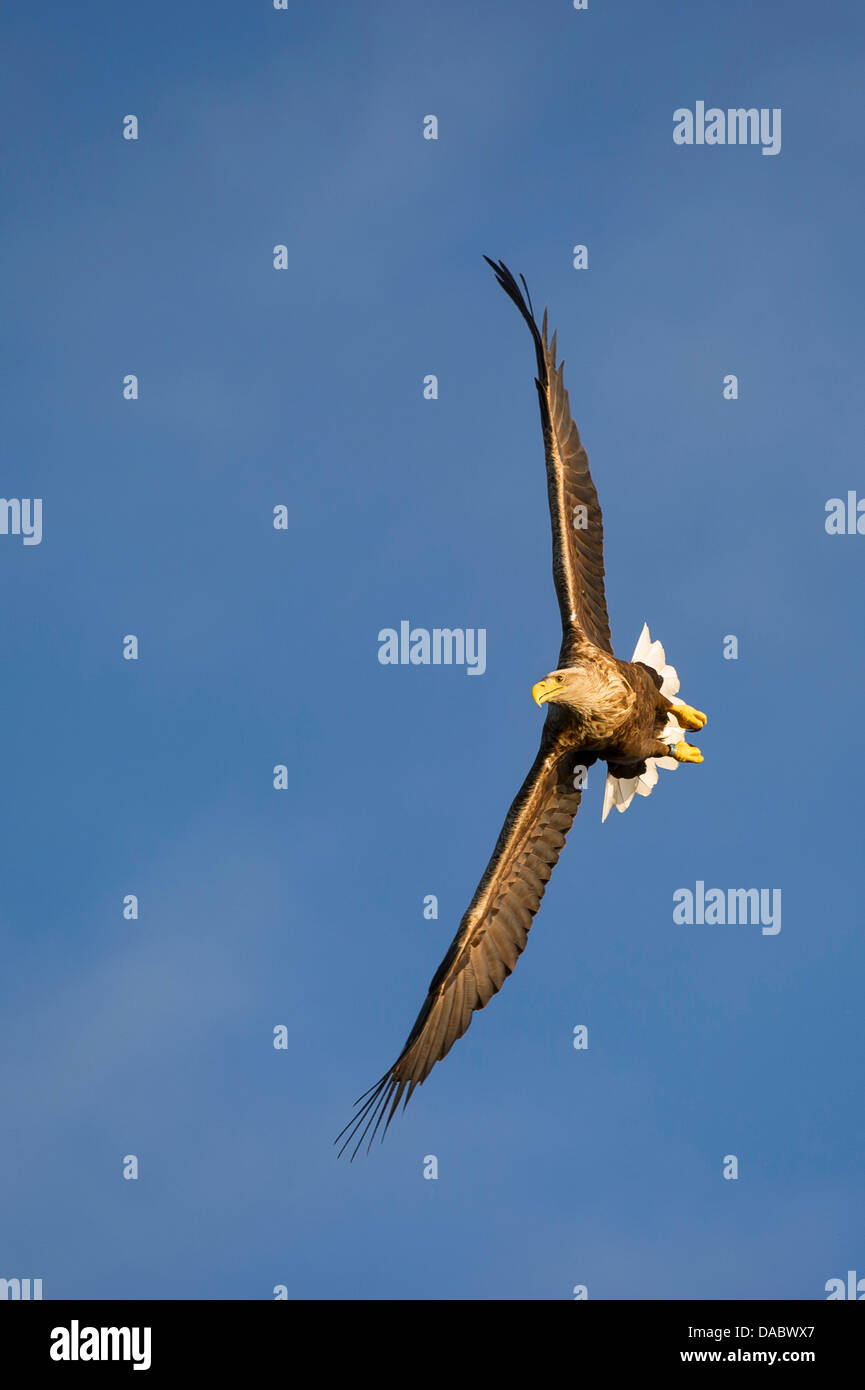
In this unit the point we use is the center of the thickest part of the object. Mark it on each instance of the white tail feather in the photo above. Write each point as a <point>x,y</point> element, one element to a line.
<point>620,791</point>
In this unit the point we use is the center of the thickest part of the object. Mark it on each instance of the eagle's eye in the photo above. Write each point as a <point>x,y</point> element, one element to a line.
<point>560,679</point>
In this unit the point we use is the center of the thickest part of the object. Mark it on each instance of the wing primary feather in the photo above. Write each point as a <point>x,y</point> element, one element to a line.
<point>361,1121</point>
<point>528,296</point>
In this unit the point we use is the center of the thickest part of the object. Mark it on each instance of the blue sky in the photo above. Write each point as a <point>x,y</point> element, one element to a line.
<point>258,647</point>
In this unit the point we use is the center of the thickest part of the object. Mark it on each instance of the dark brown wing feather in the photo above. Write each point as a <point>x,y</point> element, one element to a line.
<point>491,935</point>
<point>578,554</point>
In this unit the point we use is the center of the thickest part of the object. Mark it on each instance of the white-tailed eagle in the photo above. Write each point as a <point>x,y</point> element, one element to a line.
<point>598,708</point>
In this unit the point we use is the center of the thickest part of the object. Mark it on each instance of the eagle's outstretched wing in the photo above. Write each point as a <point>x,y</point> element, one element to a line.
<point>578,532</point>
<point>491,935</point>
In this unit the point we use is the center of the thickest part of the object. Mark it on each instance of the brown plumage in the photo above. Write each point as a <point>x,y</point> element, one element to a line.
<point>598,708</point>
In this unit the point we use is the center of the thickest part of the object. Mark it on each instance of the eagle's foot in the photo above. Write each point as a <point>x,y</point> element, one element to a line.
<point>688,717</point>
<point>686,753</point>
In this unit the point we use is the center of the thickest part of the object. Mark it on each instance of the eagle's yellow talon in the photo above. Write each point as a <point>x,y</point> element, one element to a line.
<point>688,717</point>
<point>687,753</point>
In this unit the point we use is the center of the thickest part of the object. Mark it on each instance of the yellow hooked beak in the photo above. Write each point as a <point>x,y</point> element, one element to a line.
<point>543,690</point>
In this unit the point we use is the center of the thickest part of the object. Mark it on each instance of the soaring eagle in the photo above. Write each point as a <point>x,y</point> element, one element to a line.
<point>598,707</point>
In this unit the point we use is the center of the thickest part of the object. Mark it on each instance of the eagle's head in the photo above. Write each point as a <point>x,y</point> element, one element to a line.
<point>566,687</point>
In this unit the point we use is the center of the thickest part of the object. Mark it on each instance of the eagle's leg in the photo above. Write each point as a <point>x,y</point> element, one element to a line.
<point>687,716</point>
<point>685,752</point>
<point>657,748</point>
